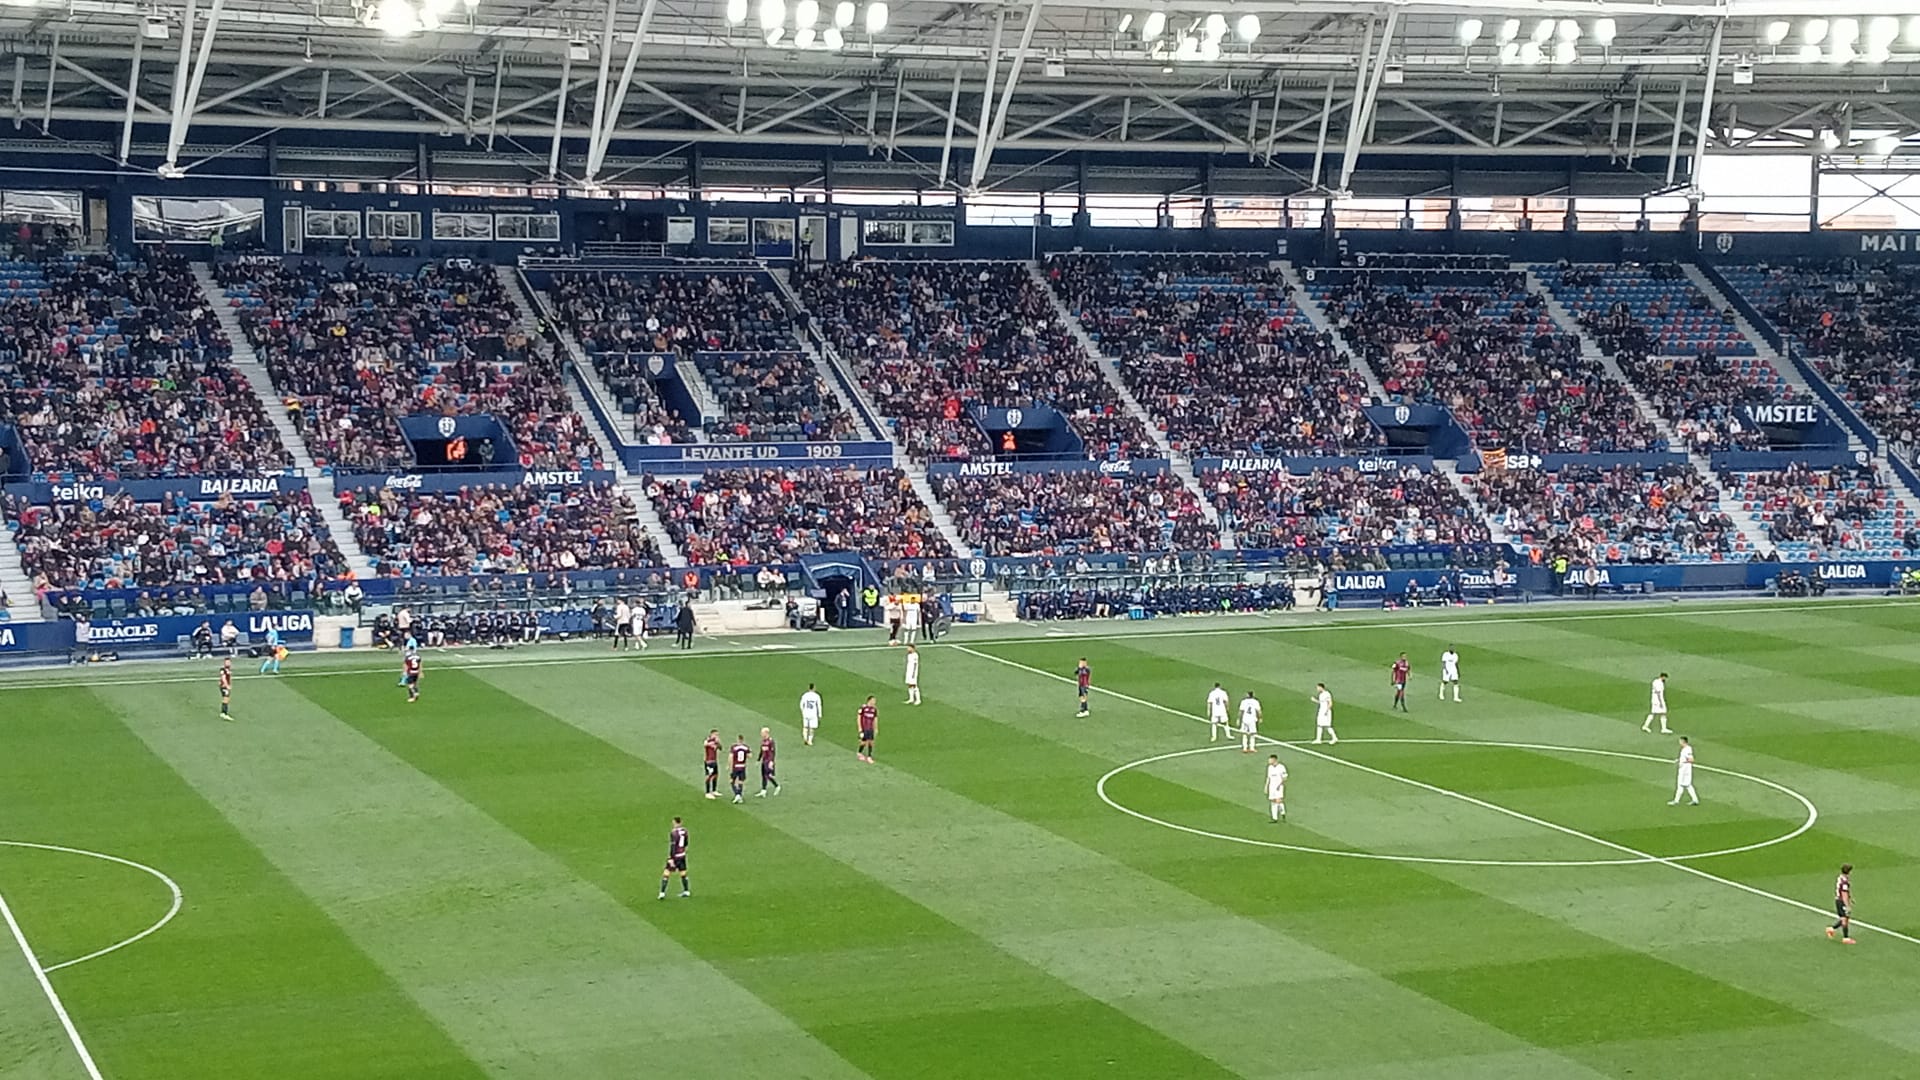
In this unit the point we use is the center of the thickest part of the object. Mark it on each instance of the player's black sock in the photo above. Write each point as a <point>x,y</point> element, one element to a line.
<point>663,886</point>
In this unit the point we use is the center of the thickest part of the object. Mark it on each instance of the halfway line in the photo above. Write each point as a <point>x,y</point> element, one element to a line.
<point>1482,803</point>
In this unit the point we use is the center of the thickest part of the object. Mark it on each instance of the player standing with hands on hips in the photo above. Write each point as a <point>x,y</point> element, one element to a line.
<point>1276,789</point>
<point>1450,673</point>
<point>1083,678</point>
<point>1217,714</point>
<point>1399,679</point>
<point>1323,715</point>
<point>913,674</point>
<point>1249,722</point>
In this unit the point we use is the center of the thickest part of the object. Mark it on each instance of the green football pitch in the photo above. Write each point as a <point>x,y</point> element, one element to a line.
<point>466,886</point>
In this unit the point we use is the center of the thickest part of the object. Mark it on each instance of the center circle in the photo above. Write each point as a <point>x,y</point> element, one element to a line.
<point>1813,813</point>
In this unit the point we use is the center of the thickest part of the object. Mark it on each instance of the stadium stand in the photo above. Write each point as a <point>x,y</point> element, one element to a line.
<point>756,516</point>
<point>931,339</point>
<point>1858,326</point>
<point>498,528</point>
<point>115,368</point>
<point>1612,515</point>
<point>117,542</point>
<point>1692,363</point>
<point>1816,513</point>
<point>1065,513</point>
<point>1482,345</point>
<point>354,349</point>
<point>735,329</point>
<point>1342,508</point>
<point>1215,349</point>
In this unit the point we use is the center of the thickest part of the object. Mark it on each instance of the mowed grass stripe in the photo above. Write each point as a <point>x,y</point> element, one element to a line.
<point>773,914</point>
<point>33,1045</point>
<point>1669,971</point>
<point>534,972</point>
<point>1152,951</point>
<point>252,979</point>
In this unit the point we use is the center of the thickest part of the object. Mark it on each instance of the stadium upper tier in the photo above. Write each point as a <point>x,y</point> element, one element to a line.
<point>352,350</point>
<point>116,368</point>
<point>1480,344</point>
<point>930,340</point>
<point>753,516</point>
<point>1860,326</point>
<point>734,328</point>
<point>1214,348</point>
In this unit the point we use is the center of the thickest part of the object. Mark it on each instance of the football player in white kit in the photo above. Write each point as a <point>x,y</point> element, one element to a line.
<point>1323,715</point>
<point>913,674</point>
<point>1683,784</point>
<point>1249,722</point>
<point>1276,789</point>
<point>1217,722</point>
<point>809,714</point>
<point>1657,707</point>
<point>1449,673</point>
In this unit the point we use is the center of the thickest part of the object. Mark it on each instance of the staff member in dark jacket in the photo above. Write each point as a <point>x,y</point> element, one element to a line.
<point>683,627</point>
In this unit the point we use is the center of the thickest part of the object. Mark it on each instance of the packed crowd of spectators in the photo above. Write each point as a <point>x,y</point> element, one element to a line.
<point>1066,512</point>
<point>753,516</point>
<point>1156,599</point>
<point>736,330</point>
<point>1214,348</point>
<point>1611,515</point>
<point>117,542</point>
<point>498,529</point>
<point>117,368</point>
<point>1826,512</point>
<point>932,339</point>
<point>1482,345</point>
<point>1342,508</point>
<point>352,350</point>
<point>1861,327</point>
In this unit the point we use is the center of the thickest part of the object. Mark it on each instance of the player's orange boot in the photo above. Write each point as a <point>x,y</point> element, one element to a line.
<point>1846,941</point>
<point>1829,933</point>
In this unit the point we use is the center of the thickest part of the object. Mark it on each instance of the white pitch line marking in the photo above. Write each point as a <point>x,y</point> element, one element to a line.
<point>1813,813</point>
<point>1622,848</point>
<point>53,997</point>
<point>172,887</point>
<point>1414,623</point>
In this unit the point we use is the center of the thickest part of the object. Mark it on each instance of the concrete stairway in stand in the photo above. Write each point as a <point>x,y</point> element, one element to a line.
<point>1318,318</point>
<point>942,520</point>
<point>319,481</point>
<point>587,383</point>
<point>22,605</point>
<point>1451,470</point>
<point>1110,370</point>
<point>829,366</point>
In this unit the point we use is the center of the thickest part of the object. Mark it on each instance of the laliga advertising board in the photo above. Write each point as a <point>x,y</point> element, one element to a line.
<point>295,628</point>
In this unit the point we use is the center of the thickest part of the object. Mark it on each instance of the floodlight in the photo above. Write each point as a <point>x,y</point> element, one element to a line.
<point>1913,30</point>
<point>1882,32</point>
<point>1210,50</point>
<point>772,13</point>
<point>736,14</point>
<point>843,13</point>
<point>806,13</point>
<point>1563,52</point>
<point>1885,145</point>
<point>1126,23</point>
<point>1155,25</point>
<point>1542,30</point>
<point>1509,30</point>
<point>876,16</point>
<point>397,18</point>
<point>1530,53</point>
<point>1828,140</point>
<point>1568,30</point>
<point>1188,49</point>
<point>803,37</point>
<point>1510,53</point>
<point>1809,54</point>
<point>1470,30</point>
<point>1603,31</point>
<point>1844,31</point>
<point>1247,28</point>
<point>1813,31</point>
<point>774,35</point>
<point>833,38</point>
<point>1216,26</point>
<point>154,28</point>
<point>1777,31</point>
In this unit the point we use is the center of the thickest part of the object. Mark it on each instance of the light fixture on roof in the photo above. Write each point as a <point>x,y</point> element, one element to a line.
<point>736,14</point>
<point>1187,49</point>
<point>774,35</point>
<point>306,49</point>
<point>1563,53</point>
<point>1913,31</point>
<point>1216,26</point>
<point>154,27</point>
<point>1510,53</point>
<point>1743,74</point>
<point>1393,74</point>
<point>1470,30</point>
<point>577,50</point>
<point>1777,31</point>
<point>1210,50</point>
<point>833,39</point>
<point>876,16</point>
<point>1055,68</point>
<point>1531,53</point>
<point>1154,25</point>
<point>772,13</point>
<point>1542,31</point>
<point>1603,32</point>
<point>1509,30</point>
<point>1841,38</point>
<point>1813,31</point>
<point>1885,145</point>
<point>1247,27</point>
<point>806,13</point>
<point>803,37</point>
<point>396,18</point>
<point>1126,23</point>
<point>1809,54</point>
<point>1828,140</point>
<point>1567,31</point>
<point>843,14</point>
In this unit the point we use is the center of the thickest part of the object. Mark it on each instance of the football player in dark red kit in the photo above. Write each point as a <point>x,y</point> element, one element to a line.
<point>410,669</point>
<point>767,778</point>
<point>869,724</point>
<point>676,859</point>
<point>1400,668</point>
<point>1083,678</point>
<point>713,763</point>
<point>737,767</point>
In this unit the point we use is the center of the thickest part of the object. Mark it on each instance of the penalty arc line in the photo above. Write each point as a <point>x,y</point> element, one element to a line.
<point>173,887</point>
<point>53,997</point>
<point>1482,803</point>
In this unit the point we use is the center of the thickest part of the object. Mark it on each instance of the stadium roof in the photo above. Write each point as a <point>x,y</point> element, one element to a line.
<point>971,95</point>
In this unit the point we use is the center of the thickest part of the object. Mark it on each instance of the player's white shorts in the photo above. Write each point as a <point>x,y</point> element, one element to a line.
<point>1277,794</point>
<point>1218,718</point>
<point>1686,776</point>
<point>1323,721</point>
<point>1249,729</point>
<point>809,722</point>
<point>1658,709</point>
<point>1449,676</point>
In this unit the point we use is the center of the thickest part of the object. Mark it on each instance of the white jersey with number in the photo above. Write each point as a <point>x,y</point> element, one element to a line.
<point>913,668</point>
<point>1217,706</point>
<point>1276,780</point>
<point>1324,708</point>
<point>1449,666</point>
<point>1250,716</point>
<point>1659,696</point>
<point>810,709</point>
<point>1686,764</point>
